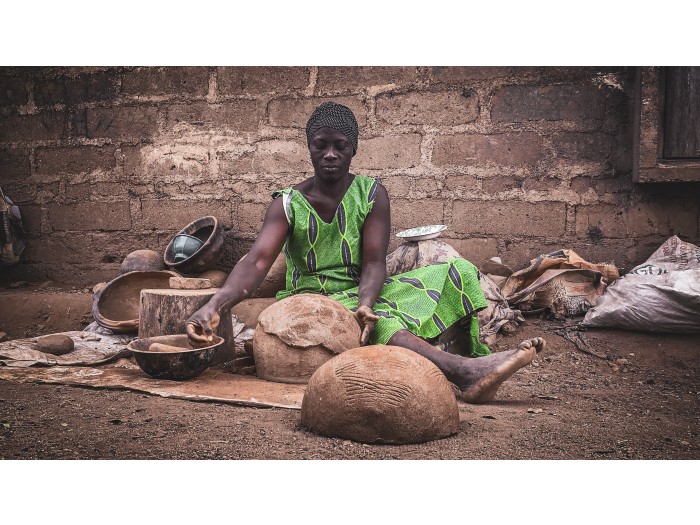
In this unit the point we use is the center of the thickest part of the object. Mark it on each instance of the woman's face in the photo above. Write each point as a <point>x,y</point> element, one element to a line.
<point>331,153</point>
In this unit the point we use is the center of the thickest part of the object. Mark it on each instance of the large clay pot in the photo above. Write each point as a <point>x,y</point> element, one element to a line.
<point>380,394</point>
<point>298,334</point>
<point>209,231</point>
<point>116,306</point>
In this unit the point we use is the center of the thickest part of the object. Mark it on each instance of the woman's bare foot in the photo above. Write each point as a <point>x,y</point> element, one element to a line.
<point>482,376</point>
<point>477,378</point>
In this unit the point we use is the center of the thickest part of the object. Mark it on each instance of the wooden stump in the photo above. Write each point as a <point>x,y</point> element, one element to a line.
<point>164,312</point>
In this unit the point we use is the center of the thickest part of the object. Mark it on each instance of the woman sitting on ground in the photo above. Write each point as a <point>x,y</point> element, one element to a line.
<point>334,229</point>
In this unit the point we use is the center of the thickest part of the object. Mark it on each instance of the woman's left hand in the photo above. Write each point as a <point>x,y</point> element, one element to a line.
<point>366,319</point>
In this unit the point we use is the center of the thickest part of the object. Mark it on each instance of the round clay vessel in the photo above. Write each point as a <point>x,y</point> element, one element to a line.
<point>248,310</point>
<point>142,261</point>
<point>380,394</point>
<point>217,277</point>
<point>209,231</point>
<point>116,306</point>
<point>55,344</point>
<point>298,334</point>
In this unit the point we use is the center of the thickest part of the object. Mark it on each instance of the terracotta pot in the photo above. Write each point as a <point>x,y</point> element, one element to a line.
<point>207,230</point>
<point>116,306</point>
<point>143,261</point>
<point>380,394</point>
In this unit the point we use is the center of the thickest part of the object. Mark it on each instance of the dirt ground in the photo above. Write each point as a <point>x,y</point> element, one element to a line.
<point>637,399</point>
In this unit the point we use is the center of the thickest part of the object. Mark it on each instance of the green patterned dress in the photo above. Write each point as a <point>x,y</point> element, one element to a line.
<point>326,258</point>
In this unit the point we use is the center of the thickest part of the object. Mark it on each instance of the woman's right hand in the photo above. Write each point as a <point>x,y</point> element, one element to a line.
<point>201,325</point>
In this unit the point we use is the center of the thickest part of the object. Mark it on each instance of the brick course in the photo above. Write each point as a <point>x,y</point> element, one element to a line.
<point>559,102</point>
<point>236,115</point>
<point>14,164</point>
<point>249,80</point>
<point>47,125</point>
<point>13,91</point>
<point>295,112</point>
<point>99,86</point>
<point>401,151</point>
<point>173,215</point>
<point>88,216</point>
<point>147,81</point>
<point>355,78</point>
<point>125,122</point>
<point>74,159</point>
<point>439,109</point>
<point>513,218</point>
<point>508,149</point>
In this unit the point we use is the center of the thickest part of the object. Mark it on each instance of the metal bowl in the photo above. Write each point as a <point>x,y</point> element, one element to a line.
<point>174,365</point>
<point>210,233</point>
<point>185,246</point>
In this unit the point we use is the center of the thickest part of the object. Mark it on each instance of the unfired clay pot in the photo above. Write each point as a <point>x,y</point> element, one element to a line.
<point>380,394</point>
<point>217,277</point>
<point>275,280</point>
<point>298,334</point>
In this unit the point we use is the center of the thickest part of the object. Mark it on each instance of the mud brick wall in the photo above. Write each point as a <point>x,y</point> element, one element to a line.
<point>515,161</point>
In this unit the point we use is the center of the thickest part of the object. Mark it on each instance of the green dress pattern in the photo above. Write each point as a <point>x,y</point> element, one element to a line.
<point>326,258</point>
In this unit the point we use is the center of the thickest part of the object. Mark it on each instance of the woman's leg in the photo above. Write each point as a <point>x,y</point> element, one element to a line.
<point>477,378</point>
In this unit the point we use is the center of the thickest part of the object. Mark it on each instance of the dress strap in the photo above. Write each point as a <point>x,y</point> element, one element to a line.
<point>286,195</point>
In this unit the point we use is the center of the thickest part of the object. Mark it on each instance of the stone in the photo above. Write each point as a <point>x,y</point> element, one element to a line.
<point>3,336</point>
<point>55,344</point>
<point>143,261</point>
<point>380,394</point>
<point>298,334</point>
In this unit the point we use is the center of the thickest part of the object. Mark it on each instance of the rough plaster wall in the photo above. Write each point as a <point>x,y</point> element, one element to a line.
<point>516,161</point>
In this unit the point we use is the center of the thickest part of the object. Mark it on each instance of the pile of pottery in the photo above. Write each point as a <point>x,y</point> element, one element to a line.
<point>194,251</point>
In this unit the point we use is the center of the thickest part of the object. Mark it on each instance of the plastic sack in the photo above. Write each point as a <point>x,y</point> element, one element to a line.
<point>661,295</point>
<point>561,282</point>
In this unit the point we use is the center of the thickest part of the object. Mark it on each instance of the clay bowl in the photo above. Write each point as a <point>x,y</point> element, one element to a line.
<point>174,365</point>
<point>207,230</point>
<point>116,306</point>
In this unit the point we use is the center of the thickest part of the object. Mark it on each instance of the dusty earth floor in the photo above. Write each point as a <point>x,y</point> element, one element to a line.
<point>639,400</point>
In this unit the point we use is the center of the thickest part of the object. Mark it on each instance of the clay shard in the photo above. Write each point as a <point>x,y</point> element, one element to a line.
<point>308,320</point>
<point>380,394</point>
